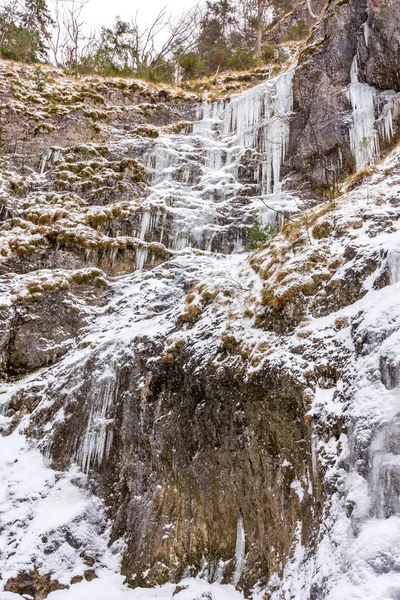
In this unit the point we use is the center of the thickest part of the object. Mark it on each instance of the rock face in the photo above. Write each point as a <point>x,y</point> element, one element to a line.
<point>287,25</point>
<point>206,412</point>
<point>319,142</point>
<point>209,434</point>
<point>380,46</point>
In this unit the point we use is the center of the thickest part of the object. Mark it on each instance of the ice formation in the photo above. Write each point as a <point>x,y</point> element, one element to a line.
<point>98,436</point>
<point>49,156</point>
<point>256,119</point>
<point>364,139</point>
<point>240,551</point>
<point>196,175</point>
<point>366,130</point>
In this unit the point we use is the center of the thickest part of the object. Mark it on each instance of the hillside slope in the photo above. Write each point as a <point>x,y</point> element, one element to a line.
<point>181,416</point>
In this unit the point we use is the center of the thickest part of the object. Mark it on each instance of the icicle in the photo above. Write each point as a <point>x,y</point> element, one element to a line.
<point>144,224</point>
<point>365,28</point>
<point>45,157</point>
<point>240,551</point>
<point>364,140</point>
<point>141,257</point>
<point>393,262</point>
<point>98,436</point>
<point>142,253</point>
<point>51,155</point>
<point>386,129</point>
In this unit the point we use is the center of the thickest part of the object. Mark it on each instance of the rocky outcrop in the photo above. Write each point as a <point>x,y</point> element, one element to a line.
<point>320,146</point>
<point>40,325</point>
<point>379,47</point>
<point>199,393</point>
<point>287,25</point>
<point>202,464</point>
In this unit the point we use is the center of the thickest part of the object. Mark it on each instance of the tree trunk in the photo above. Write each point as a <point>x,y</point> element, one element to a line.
<point>260,23</point>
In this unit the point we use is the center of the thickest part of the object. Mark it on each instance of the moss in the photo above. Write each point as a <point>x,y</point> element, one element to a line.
<point>148,131</point>
<point>320,277</point>
<point>43,128</point>
<point>177,127</point>
<point>334,264</point>
<point>192,313</point>
<point>18,186</point>
<point>341,323</point>
<point>277,298</point>
<point>168,358</point>
<point>322,230</point>
<point>310,49</point>
<point>230,343</point>
<point>207,296</point>
<point>359,177</point>
<point>34,288</point>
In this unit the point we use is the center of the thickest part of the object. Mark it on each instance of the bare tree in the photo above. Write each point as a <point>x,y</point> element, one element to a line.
<point>74,27</point>
<point>57,39</point>
<point>260,24</point>
<point>138,47</point>
<point>71,43</point>
<point>182,34</point>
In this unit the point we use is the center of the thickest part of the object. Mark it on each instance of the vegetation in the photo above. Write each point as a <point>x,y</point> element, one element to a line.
<point>224,35</point>
<point>260,234</point>
<point>24,30</point>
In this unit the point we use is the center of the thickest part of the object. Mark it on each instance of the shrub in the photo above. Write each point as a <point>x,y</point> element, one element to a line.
<point>39,79</point>
<point>242,59</point>
<point>268,53</point>
<point>189,63</point>
<point>296,32</point>
<point>260,234</point>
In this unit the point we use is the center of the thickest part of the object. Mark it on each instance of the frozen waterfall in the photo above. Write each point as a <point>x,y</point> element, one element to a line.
<point>364,139</point>
<point>366,130</point>
<point>212,179</point>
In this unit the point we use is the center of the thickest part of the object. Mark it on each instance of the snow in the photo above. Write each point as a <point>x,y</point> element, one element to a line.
<point>38,506</point>
<point>298,489</point>
<point>109,586</point>
<point>196,184</point>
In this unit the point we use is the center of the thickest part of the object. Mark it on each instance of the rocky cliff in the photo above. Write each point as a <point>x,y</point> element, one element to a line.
<point>177,410</point>
<point>349,69</point>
